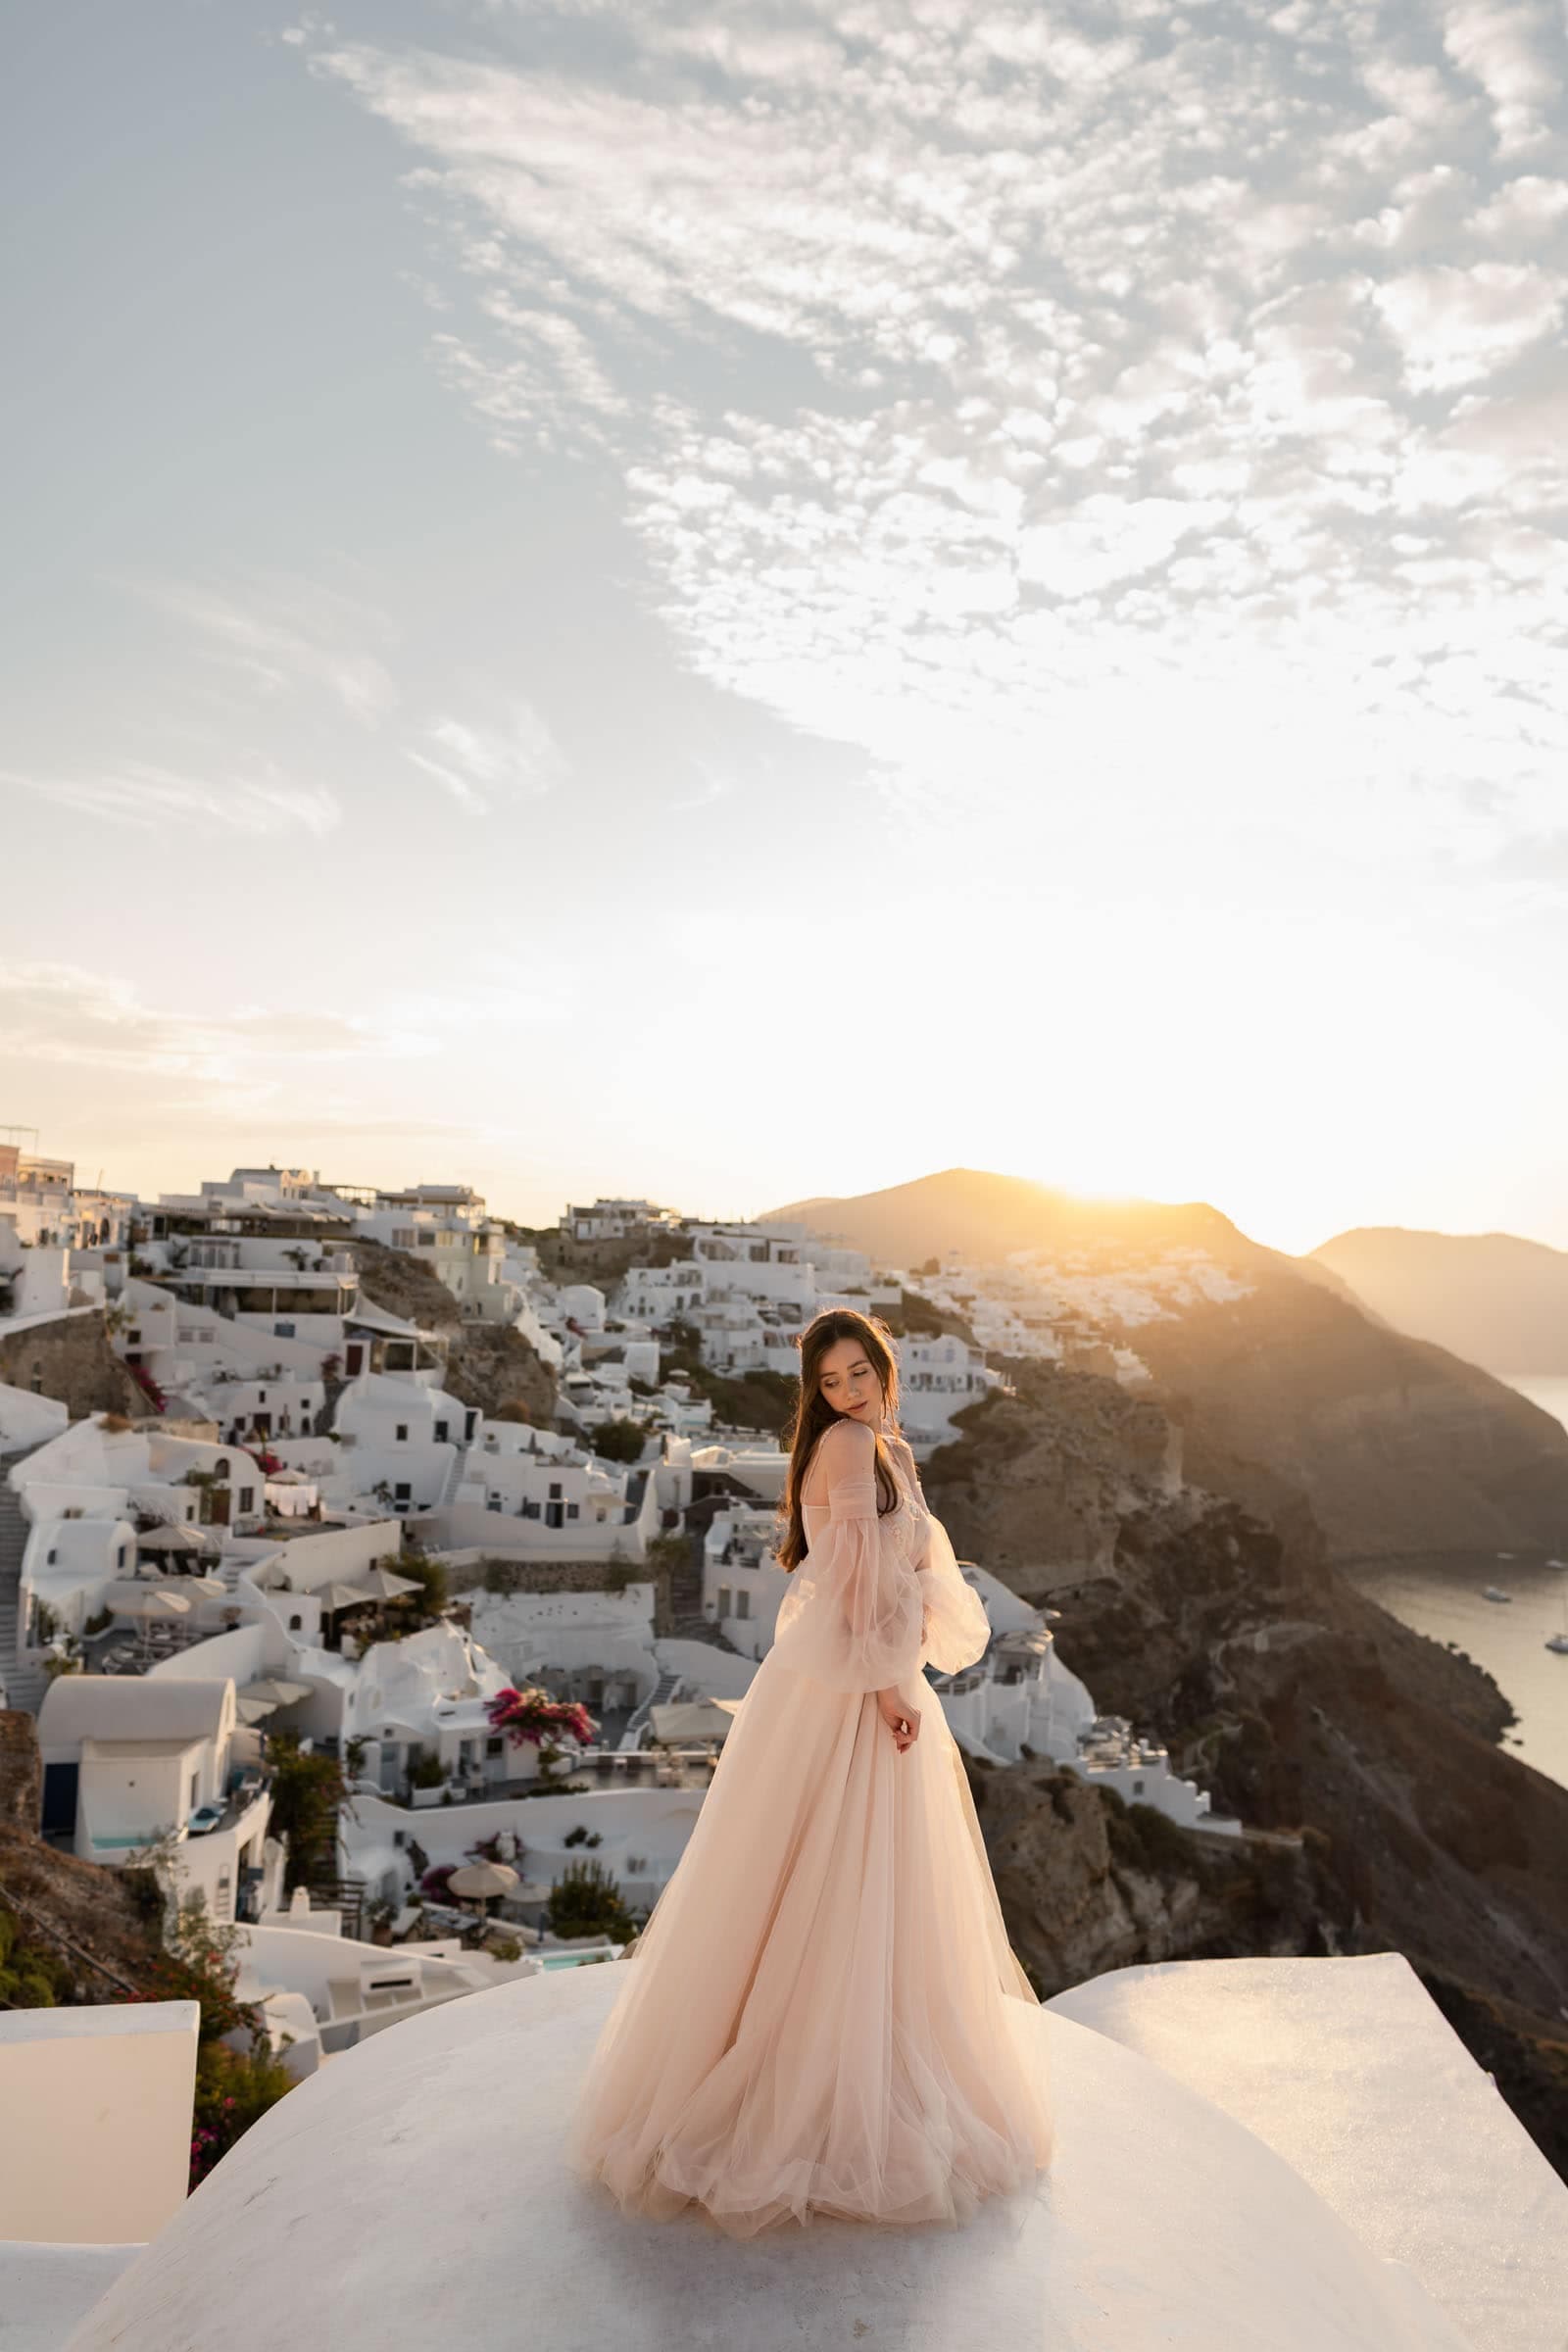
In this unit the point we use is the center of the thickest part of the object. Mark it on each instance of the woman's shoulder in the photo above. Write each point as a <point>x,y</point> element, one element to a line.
<point>847,1445</point>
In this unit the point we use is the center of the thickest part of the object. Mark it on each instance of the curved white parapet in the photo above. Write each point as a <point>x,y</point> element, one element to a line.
<point>45,2289</point>
<point>1351,2072</point>
<point>412,2193</point>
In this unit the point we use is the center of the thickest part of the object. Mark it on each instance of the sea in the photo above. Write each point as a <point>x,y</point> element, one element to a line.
<point>1442,1594</point>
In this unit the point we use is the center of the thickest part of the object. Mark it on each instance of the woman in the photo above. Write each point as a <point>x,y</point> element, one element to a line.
<point>823,2014</point>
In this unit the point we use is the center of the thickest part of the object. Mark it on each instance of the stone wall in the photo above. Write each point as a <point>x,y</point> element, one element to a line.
<point>21,1776</point>
<point>72,1360</point>
<point>567,1576</point>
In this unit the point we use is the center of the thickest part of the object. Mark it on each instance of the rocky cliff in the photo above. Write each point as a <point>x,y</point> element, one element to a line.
<point>1217,1620</point>
<point>488,1364</point>
<point>77,1932</point>
<point>72,1360</point>
<point>1399,1446</point>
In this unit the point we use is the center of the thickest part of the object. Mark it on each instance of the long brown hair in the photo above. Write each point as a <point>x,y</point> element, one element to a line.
<point>813,1414</point>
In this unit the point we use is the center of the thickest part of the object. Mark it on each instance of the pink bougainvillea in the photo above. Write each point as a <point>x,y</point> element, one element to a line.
<point>533,1715</point>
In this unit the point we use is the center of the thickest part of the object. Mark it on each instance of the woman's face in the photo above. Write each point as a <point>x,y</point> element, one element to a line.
<point>849,1382</point>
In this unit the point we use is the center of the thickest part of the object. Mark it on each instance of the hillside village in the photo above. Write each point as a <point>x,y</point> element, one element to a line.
<point>296,1524</point>
<point>379,1580</point>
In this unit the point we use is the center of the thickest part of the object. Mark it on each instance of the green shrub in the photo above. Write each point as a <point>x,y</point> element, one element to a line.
<point>32,1977</point>
<point>307,1792</point>
<point>618,1441</point>
<point>233,2088</point>
<point>431,1574</point>
<point>585,1900</point>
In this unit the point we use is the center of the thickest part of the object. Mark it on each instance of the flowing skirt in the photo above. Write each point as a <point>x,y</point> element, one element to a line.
<point>823,2014</point>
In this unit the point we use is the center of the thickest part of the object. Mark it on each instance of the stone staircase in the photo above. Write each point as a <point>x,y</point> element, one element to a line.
<point>636,1723</point>
<point>688,1624</point>
<point>24,1686</point>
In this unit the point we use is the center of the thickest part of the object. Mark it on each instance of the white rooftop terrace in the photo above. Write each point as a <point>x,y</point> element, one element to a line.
<point>1312,2163</point>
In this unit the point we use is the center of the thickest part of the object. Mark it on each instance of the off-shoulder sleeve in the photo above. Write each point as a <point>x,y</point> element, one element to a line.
<point>852,1616</point>
<point>957,1628</point>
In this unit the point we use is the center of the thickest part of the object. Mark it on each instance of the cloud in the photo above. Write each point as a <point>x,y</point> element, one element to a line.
<point>1505,45</point>
<point>1127,404</point>
<point>516,758</point>
<point>146,795</point>
<point>1454,325</point>
<point>285,636</point>
<point>60,1013</point>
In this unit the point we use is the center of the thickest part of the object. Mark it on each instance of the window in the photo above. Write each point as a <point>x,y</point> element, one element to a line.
<point>723,1600</point>
<point>403,1495</point>
<point>554,1489</point>
<point>571,1510</point>
<point>743,1603</point>
<point>284,1331</point>
<point>440,1432</point>
<point>427,1241</point>
<point>403,1433</point>
<point>1138,1787</point>
<point>495,1747</point>
<point>295,1623</point>
<point>246,1500</point>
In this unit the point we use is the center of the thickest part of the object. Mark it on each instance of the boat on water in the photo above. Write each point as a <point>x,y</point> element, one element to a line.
<point>1494,1592</point>
<point>1559,1639</point>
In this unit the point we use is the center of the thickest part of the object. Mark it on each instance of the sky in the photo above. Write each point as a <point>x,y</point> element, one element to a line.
<point>741,604</point>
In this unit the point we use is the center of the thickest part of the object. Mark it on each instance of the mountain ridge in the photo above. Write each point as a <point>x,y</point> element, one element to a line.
<point>1400,1444</point>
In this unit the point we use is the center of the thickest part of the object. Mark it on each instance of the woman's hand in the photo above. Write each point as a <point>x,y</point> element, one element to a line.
<point>901,1720</point>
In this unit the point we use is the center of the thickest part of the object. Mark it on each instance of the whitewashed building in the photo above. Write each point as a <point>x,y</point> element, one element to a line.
<point>128,1761</point>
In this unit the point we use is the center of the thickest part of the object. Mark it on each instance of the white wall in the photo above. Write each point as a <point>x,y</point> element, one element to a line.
<point>29,1420</point>
<point>97,2107</point>
<point>648,1825</point>
<point>466,1526</point>
<point>241,1653</point>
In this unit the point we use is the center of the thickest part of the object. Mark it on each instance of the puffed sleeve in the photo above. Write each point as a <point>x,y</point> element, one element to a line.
<point>957,1628</point>
<point>852,1616</point>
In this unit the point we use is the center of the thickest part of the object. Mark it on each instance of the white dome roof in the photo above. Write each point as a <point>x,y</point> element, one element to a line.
<point>412,2195</point>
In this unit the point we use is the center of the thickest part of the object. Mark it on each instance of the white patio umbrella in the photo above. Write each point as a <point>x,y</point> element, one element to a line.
<point>344,1596</point>
<point>482,1882</point>
<point>148,1602</point>
<point>387,1587</point>
<point>273,1691</point>
<point>175,1536</point>
<point>199,1588</point>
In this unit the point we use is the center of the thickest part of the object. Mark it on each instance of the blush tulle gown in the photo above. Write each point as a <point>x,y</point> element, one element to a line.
<point>823,2014</point>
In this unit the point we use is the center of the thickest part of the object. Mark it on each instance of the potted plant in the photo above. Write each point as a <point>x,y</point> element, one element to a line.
<point>427,1779</point>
